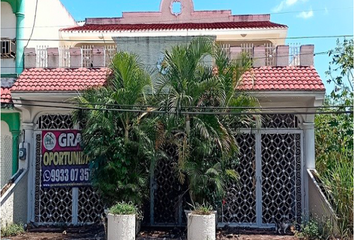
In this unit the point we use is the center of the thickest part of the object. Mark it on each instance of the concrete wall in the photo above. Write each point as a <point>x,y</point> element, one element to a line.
<point>319,206</point>
<point>14,203</point>
<point>151,49</point>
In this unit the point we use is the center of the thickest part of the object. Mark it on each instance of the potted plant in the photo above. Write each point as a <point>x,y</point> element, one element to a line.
<point>201,222</point>
<point>122,221</point>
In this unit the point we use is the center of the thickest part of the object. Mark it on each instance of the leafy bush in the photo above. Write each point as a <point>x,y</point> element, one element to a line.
<point>12,230</point>
<point>315,229</point>
<point>334,137</point>
<point>202,209</point>
<point>338,183</point>
<point>113,139</point>
<point>123,208</point>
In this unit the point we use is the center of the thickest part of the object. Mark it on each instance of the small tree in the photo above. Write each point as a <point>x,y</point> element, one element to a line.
<point>334,137</point>
<point>112,137</point>
<point>190,85</point>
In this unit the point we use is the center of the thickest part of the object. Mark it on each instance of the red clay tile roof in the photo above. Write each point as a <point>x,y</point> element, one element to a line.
<point>289,78</point>
<point>5,96</point>
<point>174,26</point>
<point>59,79</point>
<point>257,79</point>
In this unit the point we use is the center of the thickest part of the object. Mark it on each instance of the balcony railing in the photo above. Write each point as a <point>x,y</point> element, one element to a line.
<point>270,52</point>
<point>64,56</point>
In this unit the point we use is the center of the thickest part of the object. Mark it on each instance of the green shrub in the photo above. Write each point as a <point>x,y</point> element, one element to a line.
<point>202,209</point>
<point>338,183</point>
<point>12,230</point>
<point>123,208</point>
<point>315,229</point>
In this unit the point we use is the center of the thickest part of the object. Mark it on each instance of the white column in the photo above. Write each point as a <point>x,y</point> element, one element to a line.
<point>309,144</point>
<point>309,161</point>
<point>29,138</point>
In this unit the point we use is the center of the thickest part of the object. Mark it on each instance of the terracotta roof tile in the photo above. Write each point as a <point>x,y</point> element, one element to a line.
<point>291,78</point>
<point>257,79</point>
<point>59,79</point>
<point>174,26</point>
<point>5,96</point>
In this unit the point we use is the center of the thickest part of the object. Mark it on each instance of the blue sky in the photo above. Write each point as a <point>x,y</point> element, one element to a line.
<point>303,17</point>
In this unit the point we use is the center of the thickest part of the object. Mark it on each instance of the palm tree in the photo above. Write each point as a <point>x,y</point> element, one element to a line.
<point>194,80</point>
<point>113,138</point>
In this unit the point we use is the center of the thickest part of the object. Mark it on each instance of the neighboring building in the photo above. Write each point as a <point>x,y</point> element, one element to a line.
<point>24,23</point>
<point>276,157</point>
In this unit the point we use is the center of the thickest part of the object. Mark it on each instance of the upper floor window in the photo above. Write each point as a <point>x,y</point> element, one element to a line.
<point>8,48</point>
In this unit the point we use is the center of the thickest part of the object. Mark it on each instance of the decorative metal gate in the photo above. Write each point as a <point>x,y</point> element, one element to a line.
<point>167,194</point>
<point>62,205</point>
<point>270,187</point>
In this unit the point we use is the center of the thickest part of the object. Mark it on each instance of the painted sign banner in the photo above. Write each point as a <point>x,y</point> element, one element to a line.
<point>63,162</point>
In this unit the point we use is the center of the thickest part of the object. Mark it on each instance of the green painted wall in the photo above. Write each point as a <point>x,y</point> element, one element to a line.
<point>13,120</point>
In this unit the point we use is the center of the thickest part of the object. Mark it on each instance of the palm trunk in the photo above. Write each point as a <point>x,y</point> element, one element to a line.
<point>126,131</point>
<point>188,125</point>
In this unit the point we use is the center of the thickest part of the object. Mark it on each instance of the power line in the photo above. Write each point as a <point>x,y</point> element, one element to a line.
<point>34,23</point>
<point>183,112</point>
<point>253,58</point>
<point>172,21</point>
<point>315,10</point>
<point>196,107</point>
<point>172,40</point>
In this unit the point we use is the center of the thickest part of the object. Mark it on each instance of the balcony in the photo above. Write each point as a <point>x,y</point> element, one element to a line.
<point>87,56</point>
<point>87,52</point>
<point>270,52</point>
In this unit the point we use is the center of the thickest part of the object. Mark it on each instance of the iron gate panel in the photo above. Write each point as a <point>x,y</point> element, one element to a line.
<point>168,201</point>
<point>58,205</point>
<point>52,205</point>
<point>90,207</point>
<point>240,202</point>
<point>281,177</point>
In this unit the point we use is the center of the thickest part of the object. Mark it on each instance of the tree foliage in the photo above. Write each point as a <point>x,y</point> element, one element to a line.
<point>198,77</point>
<point>113,140</point>
<point>334,137</point>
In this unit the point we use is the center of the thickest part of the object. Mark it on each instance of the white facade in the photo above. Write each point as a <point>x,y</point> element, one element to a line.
<point>51,16</point>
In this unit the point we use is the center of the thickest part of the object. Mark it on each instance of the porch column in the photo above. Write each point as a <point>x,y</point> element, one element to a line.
<point>309,144</point>
<point>309,157</point>
<point>29,138</point>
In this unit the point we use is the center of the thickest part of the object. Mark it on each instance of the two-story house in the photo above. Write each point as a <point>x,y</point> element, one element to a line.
<point>274,158</point>
<point>24,23</point>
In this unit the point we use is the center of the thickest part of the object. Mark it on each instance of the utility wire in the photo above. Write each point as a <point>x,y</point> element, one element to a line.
<point>171,21</point>
<point>253,58</point>
<point>172,40</point>
<point>34,24</point>
<point>181,112</point>
<point>210,107</point>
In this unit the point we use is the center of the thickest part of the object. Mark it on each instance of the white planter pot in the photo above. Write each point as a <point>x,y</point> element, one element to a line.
<point>201,227</point>
<point>121,227</point>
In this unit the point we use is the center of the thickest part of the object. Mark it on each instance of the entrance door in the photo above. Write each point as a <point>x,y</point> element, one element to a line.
<point>61,205</point>
<point>269,190</point>
<point>281,177</point>
<point>168,195</point>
